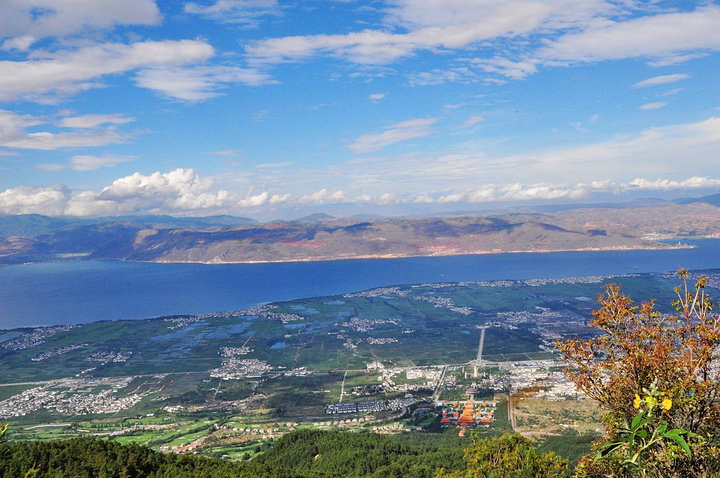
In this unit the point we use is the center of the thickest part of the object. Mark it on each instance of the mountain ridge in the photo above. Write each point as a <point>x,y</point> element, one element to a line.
<point>225,239</point>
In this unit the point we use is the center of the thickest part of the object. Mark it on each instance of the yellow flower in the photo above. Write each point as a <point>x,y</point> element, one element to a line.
<point>637,401</point>
<point>666,404</point>
<point>651,401</point>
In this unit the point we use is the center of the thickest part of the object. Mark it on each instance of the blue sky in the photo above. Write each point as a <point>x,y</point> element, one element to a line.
<point>273,109</point>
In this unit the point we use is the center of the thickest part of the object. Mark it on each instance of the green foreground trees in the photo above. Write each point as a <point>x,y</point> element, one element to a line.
<point>508,456</point>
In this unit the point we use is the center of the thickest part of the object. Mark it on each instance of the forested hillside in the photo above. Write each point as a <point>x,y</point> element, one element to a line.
<point>307,454</point>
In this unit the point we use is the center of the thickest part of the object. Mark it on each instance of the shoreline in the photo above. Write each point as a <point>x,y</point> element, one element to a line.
<point>407,256</point>
<point>79,257</point>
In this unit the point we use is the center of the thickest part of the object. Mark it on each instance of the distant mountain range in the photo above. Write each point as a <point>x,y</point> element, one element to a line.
<point>713,199</point>
<point>228,239</point>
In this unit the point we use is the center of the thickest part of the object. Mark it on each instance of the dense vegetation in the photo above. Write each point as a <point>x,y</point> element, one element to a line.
<point>348,454</point>
<point>302,454</point>
<point>87,457</point>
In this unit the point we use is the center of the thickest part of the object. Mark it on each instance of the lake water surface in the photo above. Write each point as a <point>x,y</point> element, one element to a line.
<point>87,291</point>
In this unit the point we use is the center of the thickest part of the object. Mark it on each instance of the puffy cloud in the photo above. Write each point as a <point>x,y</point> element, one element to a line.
<point>511,192</point>
<point>545,191</point>
<point>67,72</point>
<point>660,80</point>
<point>323,197</point>
<point>35,200</point>
<point>179,191</point>
<point>29,20</point>
<point>279,198</point>
<point>695,182</point>
<point>183,191</point>
<point>176,183</point>
<point>388,198</point>
<point>395,133</point>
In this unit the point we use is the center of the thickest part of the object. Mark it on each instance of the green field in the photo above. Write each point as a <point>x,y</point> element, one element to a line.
<point>173,381</point>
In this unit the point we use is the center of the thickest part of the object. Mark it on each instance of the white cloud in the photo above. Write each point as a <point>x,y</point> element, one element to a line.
<point>516,70</point>
<point>246,12</point>
<point>13,125</point>
<point>376,96</point>
<point>34,200</point>
<point>695,182</point>
<point>473,120</point>
<point>228,153</point>
<point>29,20</point>
<point>179,191</point>
<point>323,197</point>
<point>198,83</point>
<point>531,35</point>
<point>87,163</point>
<point>653,106</point>
<point>674,91</point>
<point>466,166</point>
<point>68,72</point>
<point>660,80</point>
<point>283,164</point>
<point>566,32</point>
<point>49,141</point>
<point>395,133</point>
<point>379,47</point>
<point>388,198</point>
<point>509,192</point>
<point>547,191</point>
<point>14,134</point>
<point>418,14</point>
<point>438,76</point>
<point>655,36</point>
<point>279,198</point>
<point>22,43</point>
<point>94,120</point>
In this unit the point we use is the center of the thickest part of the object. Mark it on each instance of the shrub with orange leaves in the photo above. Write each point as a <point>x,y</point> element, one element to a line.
<point>640,346</point>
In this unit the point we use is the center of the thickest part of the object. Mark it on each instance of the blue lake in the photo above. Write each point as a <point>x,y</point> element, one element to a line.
<point>86,291</point>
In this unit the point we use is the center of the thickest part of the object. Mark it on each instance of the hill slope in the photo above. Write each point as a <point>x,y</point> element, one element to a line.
<point>224,239</point>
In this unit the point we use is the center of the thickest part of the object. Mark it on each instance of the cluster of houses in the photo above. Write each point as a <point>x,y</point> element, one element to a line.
<point>467,414</point>
<point>370,405</point>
